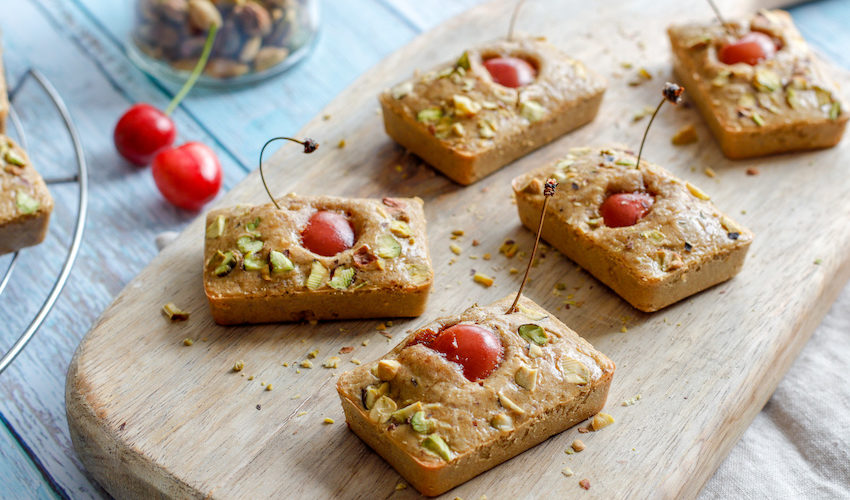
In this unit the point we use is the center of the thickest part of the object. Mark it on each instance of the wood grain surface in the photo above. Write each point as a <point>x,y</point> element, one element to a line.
<point>190,426</point>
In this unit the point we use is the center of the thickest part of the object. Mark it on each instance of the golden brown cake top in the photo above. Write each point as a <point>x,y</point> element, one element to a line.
<point>462,105</point>
<point>547,366</point>
<point>792,86</point>
<point>682,229</point>
<point>257,250</point>
<point>22,190</point>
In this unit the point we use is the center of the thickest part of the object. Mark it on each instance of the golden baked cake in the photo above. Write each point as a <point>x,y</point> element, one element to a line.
<point>459,119</point>
<point>672,244</point>
<point>264,264</point>
<point>25,203</point>
<point>776,96</point>
<point>441,415</point>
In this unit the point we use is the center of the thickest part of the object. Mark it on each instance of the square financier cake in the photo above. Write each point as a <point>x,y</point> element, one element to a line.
<point>25,203</point>
<point>439,426</point>
<point>258,270</point>
<point>679,245</point>
<point>786,102</point>
<point>459,120</point>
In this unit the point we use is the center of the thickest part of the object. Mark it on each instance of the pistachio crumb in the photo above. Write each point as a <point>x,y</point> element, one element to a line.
<point>567,471</point>
<point>251,377</point>
<point>365,342</point>
<point>238,366</point>
<point>312,354</point>
<point>331,362</point>
<point>455,249</point>
<point>306,364</point>
<point>400,486</point>
<point>301,413</point>
<point>174,313</point>
<point>578,445</point>
<point>601,420</point>
<point>187,342</point>
<point>356,361</point>
<point>710,172</point>
<point>341,144</point>
<point>269,387</point>
<point>328,420</point>
<point>381,327</point>
<point>685,135</point>
<point>818,262</point>
<point>631,401</point>
<point>483,279</point>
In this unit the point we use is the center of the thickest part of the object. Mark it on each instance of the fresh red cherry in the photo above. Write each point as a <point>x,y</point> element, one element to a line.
<point>750,48</point>
<point>625,209</point>
<point>142,132</point>
<point>328,233</point>
<point>476,349</point>
<point>510,72</point>
<point>188,176</point>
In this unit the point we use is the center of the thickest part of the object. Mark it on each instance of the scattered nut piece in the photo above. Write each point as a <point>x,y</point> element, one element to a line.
<point>331,362</point>
<point>685,135</point>
<point>584,483</point>
<point>269,387</point>
<point>601,420</point>
<point>306,364</point>
<point>341,144</point>
<point>312,354</point>
<point>455,249</point>
<point>328,420</point>
<point>482,279</point>
<point>174,313</point>
<point>356,361</point>
<point>400,486</point>
<point>567,471</point>
<point>710,172</point>
<point>631,401</point>
<point>578,445</point>
<point>187,342</point>
<point>237,367</point>
<point>753,171</point>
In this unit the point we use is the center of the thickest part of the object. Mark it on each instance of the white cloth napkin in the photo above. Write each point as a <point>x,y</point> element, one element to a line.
<point>798,446</point>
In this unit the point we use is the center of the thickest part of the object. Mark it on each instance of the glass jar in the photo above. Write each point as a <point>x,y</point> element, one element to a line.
<point>256,38</point>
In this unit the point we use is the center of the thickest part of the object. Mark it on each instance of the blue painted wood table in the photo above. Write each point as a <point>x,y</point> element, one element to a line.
<point>80,46</point>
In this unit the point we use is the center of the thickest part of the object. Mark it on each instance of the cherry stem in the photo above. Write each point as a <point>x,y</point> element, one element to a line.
<point>196,72</point>
<point>645,132</point>
<point>548,192</point>
<point>720,18</point>
<point>309,146</point>
<point>513,20</point>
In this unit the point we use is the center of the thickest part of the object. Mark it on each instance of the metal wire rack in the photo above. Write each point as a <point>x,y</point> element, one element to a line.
<point>80,178</point>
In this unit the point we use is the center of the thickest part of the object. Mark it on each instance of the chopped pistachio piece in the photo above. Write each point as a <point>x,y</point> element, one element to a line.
<point>766,80</point>
<point>419,273</point>
<point>400,229</point>
<point>402,89</point>
<point>438,446</point>
<point>252,226</point>
<point>12,156</point>
<point>401,416</point>
<point>372,393</point>
<point>254,262</point>
<point>730,225</point>
<point>318,275</point>
<point>574,371</point>
<point>531,313</point>
<point>503,422</point>
<point>174,313</point>
<point>535,351</point>
<point>509,404</point>
<point>216,227</point>
<point>685,135</point>
<point>248,244</point>
<point>383,409</point>
<point>835,110</point>
<point>26,204</point>
<point>429,115</point>
<point>422,424</point>
<point>464,106</point>
<point>601,420</point>
<point>526,377</point>
<point>654,235</point>
<point>342,279</point>
<point>279,262</point>
<point>758,120</point>
<point>699,193</point>
<point>388,247</point>
<point>331,362</point>
<point>532,111</point>
<point>463,61</point>
<point>483,279</point>
<point>533,333</point>
<point>486,129</point>
<point>387,369</point>
<point>229,261</point>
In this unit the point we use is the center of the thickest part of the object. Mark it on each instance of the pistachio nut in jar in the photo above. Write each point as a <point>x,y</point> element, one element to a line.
<point>256,38</point>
